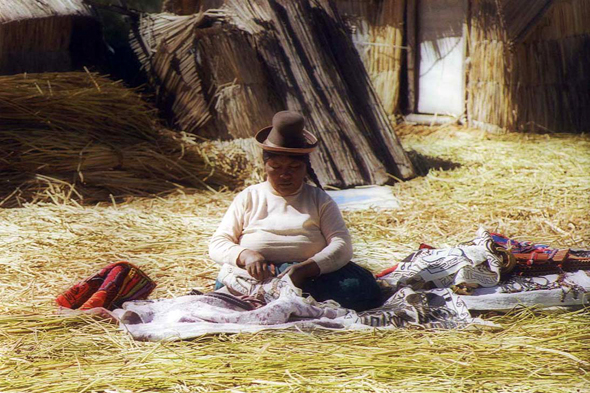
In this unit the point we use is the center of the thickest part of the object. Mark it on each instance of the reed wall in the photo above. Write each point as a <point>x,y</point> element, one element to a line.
<point>537,84</point>
<point>35,45</point>
<point>377,31</point>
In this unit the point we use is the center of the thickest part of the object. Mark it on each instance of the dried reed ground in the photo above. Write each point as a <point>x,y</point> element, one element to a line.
<point>530,186</point>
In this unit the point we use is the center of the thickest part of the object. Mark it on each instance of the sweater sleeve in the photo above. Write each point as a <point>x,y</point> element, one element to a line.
<point>338,251</point>
<point>224,245</point>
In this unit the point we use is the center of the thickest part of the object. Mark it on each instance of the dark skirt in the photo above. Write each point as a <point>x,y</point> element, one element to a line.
<point>352,286</point>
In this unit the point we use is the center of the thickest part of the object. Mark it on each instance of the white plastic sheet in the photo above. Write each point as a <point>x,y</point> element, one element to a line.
<point>377,197</point>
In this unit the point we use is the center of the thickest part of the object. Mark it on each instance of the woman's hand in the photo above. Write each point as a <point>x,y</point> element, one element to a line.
<point>300,272</point>
<point>255,264</point>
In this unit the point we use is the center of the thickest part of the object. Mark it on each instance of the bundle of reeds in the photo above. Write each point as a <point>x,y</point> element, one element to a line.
<point>224,94</point>
<point>96,139</point>
<point>178,76</point>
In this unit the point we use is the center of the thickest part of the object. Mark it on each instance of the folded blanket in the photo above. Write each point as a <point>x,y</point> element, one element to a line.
<point>109,288</point>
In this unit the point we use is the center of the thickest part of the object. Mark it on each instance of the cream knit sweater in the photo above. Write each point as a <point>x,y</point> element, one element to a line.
<point>294,228</point>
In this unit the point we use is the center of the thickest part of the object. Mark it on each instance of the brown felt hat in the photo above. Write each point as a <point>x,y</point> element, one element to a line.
<point>286,135</point>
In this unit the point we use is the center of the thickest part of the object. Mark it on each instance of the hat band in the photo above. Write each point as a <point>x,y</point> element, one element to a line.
<point>269,143</point>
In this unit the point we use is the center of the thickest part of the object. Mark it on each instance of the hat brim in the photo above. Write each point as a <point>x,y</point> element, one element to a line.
<point>262,135</point>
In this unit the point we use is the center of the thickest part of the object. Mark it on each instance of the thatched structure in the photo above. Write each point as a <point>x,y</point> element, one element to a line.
<point>376,28</point>
<point>49,35</point>
<point>522,61</point>
<point>225,72</point>
<point>528,65</point>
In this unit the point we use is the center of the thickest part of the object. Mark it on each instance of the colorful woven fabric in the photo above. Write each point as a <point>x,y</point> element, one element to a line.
<point>535,259</point>
<point>519,247</point>
<point>109,288</point>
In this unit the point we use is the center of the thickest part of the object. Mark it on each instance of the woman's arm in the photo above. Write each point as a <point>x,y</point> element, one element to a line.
<point>338,251</point>
<point>224,246</point>
<point>300,272</point>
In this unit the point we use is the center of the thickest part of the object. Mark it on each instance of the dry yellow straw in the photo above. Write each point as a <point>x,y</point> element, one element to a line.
<point>498,184</point>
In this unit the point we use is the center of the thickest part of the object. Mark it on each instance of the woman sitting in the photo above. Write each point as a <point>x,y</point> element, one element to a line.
<point>286,227</point>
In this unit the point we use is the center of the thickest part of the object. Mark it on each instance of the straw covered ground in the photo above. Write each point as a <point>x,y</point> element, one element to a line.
<point>533,187</point>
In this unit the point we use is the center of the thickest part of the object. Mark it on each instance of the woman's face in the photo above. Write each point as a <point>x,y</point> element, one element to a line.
<point>285,174</point>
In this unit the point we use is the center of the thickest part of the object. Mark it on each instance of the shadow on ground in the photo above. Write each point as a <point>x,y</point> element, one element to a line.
<point>423,163</point>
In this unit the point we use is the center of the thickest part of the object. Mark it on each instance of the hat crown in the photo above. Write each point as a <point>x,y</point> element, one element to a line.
<point>286,135</point>
<point>287,130</point>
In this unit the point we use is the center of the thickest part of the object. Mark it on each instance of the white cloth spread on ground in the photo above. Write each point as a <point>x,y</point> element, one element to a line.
<point>551,290</point>
<point>191,316</point>
<point>361,198</point>
<point>293,228</point>
<point>277,304</point>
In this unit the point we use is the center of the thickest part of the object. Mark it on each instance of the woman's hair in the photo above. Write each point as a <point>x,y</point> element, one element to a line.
<point>266,155</point>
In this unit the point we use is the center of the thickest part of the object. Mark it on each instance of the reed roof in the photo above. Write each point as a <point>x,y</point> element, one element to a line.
<point>11,10</point>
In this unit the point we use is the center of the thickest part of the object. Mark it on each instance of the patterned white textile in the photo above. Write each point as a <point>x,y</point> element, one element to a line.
<point>278,304</point>
<point>552,290</point>
<point>191,316</point>
<point>473,263</point>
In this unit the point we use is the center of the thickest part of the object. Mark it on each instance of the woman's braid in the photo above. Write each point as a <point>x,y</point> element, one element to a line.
<point>311,173</point>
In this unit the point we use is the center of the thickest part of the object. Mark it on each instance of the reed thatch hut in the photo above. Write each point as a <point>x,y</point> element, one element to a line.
<point>48,35</point>
<point>223,73</point>
<point>376,29</point>
<point>529,65</point>
<point>497,64</point>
